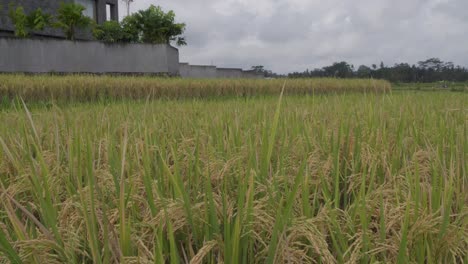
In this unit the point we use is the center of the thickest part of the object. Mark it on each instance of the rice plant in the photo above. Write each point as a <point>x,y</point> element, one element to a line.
<point>341,178</point>
<point>88,88</point>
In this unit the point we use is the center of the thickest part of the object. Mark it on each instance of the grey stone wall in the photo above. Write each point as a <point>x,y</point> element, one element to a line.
<point>172,57</point>
<point>210,72</point>
<point>252,75</point>
<point>197,71</point>
<point>50,55</point>
<point>228,73</point>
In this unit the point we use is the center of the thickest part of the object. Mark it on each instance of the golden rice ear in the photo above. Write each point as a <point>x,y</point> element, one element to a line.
<point>330,177</point>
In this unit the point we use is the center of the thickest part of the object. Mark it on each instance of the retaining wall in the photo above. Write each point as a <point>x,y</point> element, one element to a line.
<point>197,71</point>
<point>252,75</point>
<point>49,55</point>
<point>210,72</point>
<point>228,73</point>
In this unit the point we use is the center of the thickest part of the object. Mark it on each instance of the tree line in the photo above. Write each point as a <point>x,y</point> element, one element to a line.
<point>430,70</point>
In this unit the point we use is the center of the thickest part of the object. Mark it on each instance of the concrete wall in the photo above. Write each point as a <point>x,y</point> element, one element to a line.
<point>50,55</point>
<point>209,72</point>
<point>197,71</point>
<point>228,73</point>
<point>252,75</point>
<point>172,58</point>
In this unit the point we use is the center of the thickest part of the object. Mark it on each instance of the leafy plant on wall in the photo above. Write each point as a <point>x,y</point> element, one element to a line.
<point>25,23</point>
<point>70,17</point>
<point>152,26</point>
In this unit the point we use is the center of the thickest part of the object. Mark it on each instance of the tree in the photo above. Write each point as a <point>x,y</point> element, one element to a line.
<point>157,27</point>
<point>364,72</point>
<point>432,64</point>
<point>70,18</point>
<point>258,69</point>
<point>339,70</point>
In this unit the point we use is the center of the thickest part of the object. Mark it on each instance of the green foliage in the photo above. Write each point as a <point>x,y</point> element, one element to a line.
<point>25,23</point>
<point>37,20</point>
<point>111,32</point>
<point>20,21</point>
<point>148,26</point>
<point>70,18</point>
<point>156,27</point>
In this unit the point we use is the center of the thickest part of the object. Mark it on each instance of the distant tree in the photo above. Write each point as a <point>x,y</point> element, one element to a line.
<point>258,68</point>
<point>364,72</point>
<point>339,70</point>
<point>431,64</point>
<point>430,70</point>
<point>70,17</point>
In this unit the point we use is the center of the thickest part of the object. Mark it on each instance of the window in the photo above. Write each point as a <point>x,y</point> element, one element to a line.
<point>111,12</point>
<point>108,12</point>
<point>90,6</point>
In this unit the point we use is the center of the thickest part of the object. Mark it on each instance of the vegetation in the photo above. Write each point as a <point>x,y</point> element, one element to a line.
<point>105,88</point>
<point>25,23</point>
<point>70,17</point>
<point>152,26</point>
<point>428,71</point>
<point>345,178</point>
<point>115,32</point>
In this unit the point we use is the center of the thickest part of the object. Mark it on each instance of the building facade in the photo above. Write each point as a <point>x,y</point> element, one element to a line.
<point>98,10</point>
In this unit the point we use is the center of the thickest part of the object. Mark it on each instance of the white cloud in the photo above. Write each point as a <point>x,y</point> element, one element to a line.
<point>290,35</point>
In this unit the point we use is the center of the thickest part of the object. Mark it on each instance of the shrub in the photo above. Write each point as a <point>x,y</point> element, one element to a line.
<point>24,24</point>
<point>20,20</point>
<point>37,20</point>
<point>109,31</point>
<point>114,32</point>
<point>70,18</point>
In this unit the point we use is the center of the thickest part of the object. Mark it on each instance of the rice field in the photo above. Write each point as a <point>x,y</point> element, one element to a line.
<point>88,88</point>
<point>342,176</point>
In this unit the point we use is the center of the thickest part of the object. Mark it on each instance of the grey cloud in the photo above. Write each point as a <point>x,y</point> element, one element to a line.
<point>289,35</point>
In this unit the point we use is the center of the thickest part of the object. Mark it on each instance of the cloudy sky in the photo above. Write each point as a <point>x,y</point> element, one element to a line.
<point>293,35</point>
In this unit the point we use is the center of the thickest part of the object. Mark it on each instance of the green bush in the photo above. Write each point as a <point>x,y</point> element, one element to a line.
<point>70,18</point>
<point>25,23</point>
<point>115,32</point>
<point>20,20</point>
<point>37,20</point>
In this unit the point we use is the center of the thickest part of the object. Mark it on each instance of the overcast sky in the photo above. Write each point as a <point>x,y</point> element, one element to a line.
<point>293,35</point>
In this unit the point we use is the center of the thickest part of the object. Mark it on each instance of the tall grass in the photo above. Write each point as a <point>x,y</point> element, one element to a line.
<point>352,178</point>
<point>104,88</point>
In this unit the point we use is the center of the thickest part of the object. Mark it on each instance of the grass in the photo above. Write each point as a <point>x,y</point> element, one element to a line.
<point>437,86</point>
<point>319,178</point>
